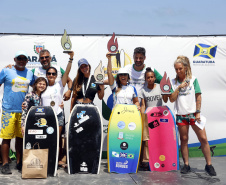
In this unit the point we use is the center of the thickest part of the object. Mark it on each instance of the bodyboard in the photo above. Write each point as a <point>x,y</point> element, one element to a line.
<point>163,143</point>
<point>84,140</point>
<point>41,126</point>
<point>124,139</point>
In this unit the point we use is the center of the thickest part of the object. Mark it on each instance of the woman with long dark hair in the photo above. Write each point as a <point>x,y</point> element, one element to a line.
<point>84,88</point>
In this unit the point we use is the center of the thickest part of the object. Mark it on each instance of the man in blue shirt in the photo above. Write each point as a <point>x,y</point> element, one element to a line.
<point>16,82</point>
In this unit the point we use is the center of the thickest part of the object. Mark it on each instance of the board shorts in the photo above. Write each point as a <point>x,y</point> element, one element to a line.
<point>60,118</point>
<point>188,119</point>
<point>11,125</point>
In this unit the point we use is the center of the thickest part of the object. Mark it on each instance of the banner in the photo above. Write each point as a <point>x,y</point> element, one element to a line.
<point>207,56</point>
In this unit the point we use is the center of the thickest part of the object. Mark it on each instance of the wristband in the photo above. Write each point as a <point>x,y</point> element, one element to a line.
<point>71,59</point>
<point>198,111</point>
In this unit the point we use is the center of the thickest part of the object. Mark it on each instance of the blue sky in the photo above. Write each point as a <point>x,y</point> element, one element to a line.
<point>133,17</point>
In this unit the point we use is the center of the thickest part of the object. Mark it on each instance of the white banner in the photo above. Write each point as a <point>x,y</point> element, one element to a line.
<point>207,57</point>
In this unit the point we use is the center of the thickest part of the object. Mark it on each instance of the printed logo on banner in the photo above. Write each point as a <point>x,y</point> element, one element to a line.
<point>38,48</point>
<point>205,53</point>
<point>33,61</point>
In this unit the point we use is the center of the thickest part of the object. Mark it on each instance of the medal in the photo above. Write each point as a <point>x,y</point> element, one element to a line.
<point>52,103</point>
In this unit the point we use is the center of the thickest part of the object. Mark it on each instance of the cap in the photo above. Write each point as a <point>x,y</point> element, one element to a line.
<point>82,61</point>
<point>18,53</point>
<point>123,71</point>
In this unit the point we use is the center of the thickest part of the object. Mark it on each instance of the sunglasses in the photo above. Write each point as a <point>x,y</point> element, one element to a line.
<point>54,74</point>
<point>22,58</point>
<point>46,57</point>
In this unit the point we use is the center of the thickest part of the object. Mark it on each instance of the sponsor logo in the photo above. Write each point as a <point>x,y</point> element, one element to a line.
<point>123,155</point>
<point>42,122</point>
<point>93,85</point>
<point>85,118</point>
<point>76,124</point>
<point>153,124</point>
<point>156,165</point>
<point>40,136</point>
<point>174,164</point>
<point>162,158</point>
<point>129,136</point>
<point>28,145</point>
<point>35,163</point>
<point>40,110</point>
<point>83,167</point>
<point>156,114</point>
<point>132,126</point>
<point>120,135</point>
<point>115,154</point>
<point>162,165</point>
<point>127,110</point>
<point>50,130</point>
<point>38,48</point>
<point>164,120</point>
<point>80,129</point>
<point>165,112</point>
<point>80,115</point>
<point>205,54</point>
<point>121,124</point>
<point>121,164</point>
<point>205,51</point>
<point>34,131</point>
<point>124,145</point>
<point>130,156</point>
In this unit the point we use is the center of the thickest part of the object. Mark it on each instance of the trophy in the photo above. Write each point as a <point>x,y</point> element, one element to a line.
<point>165,85</point>
<point>112,45</point>
<point>66,43</point>
<point>99,74</point>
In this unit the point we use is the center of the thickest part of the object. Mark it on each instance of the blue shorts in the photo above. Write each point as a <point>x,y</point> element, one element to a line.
<point>60,118</point>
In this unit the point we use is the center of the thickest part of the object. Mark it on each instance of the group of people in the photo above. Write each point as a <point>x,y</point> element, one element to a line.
<point>134,84</point>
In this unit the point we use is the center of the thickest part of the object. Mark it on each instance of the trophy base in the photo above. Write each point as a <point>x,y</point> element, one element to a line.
<point>166,93</point>
<point>99,83</point>
<point>67,51</point>
<point>112,54</point>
